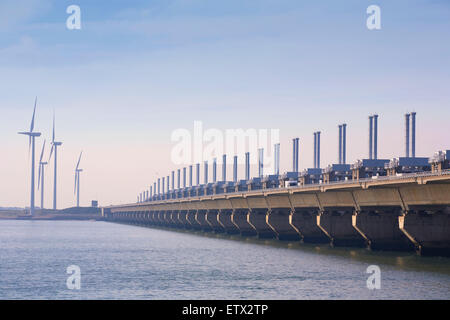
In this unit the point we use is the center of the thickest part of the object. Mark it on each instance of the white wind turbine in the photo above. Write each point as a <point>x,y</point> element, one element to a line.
<point>76,189</point>
<point>32,135</point>
<point>55,146</point>
<point>41,175</point>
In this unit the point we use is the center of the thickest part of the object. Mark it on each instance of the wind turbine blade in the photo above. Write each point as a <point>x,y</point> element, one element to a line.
<point>42,152</point>
<point>51,152</point>
<point>32,119</point>
<point>29,146</point>
<point>79,159</point>
<point>53,135</point>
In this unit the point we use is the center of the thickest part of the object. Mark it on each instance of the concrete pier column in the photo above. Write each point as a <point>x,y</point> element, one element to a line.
<point>145,218</point>
<point>303,218</point>
<point>182,218</point>
<point>130,217</point>
<point>168,218</point>
<point>212,219</point>
<point>190,217</point>
<point>304,221</point>
<point>224,219</point>
<point>200,217</point>
<point>167,221</point>
<point>156,218</point>
<point>151,220</point>
<point>337,224</point>
<point>240,218</point>
<point>174,219</point>
<point>161,218</point>
<point>142,218</point>
<point>305,208</point>
<point>279,216</point>
<point>257,217</point>
<point>279,220</point>
<point>380,228</point>
<point>150,217</point>
<point>428,228</point>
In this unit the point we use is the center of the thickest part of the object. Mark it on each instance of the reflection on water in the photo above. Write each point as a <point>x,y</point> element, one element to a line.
<point>129,262</point>
<point>403,260</point>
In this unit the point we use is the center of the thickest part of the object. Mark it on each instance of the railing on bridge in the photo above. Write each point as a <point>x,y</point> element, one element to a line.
<point>361,181</point>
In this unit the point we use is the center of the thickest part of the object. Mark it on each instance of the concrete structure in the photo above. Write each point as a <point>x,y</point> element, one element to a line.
<point>406,212</point>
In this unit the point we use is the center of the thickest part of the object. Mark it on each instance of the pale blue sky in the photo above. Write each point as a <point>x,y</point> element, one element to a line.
<point>137,70</point>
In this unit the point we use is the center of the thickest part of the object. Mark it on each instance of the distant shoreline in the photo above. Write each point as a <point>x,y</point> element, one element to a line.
<point>66,214</point>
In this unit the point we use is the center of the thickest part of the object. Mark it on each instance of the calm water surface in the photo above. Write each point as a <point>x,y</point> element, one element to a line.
<point>129,262</point>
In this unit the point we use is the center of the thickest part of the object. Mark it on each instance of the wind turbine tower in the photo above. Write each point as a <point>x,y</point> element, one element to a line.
<point>55,146</point>
<point>77,180</point>
<point>32,135</point>
<point>41,175</point>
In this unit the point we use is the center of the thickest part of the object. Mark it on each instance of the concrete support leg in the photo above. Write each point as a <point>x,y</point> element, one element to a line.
<point>379,227</point>
<point>337,224</point>
<point>258,219</point>
<point>212,219</point>
<point>224,217</point>
<point>142,221</point>
<point>174,219</point>
<point>428,229</point>
<point>166,218</point>
<point>161,218</point>
<point>169,219</point>
<point>151,219</point>
<point>304,220</point>
<point>182,217</point>
<point>239,218</point>
<point>279,220</point>
<point>190,217</point>
<point>200,217</point>
<point>155,218</point>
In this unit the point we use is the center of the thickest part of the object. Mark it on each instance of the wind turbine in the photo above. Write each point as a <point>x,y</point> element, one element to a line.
<point>32,135</point>
<point>55,146</point>
<point>41,174</point>
<point>76,189</point>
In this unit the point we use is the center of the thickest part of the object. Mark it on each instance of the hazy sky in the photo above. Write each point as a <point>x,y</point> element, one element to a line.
<point>138,70</point>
